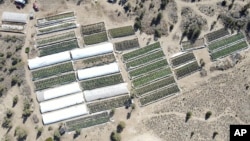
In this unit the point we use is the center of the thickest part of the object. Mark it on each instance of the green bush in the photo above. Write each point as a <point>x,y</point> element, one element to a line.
<point>9,54</point>
<point>1,54</point>
<point>49,139</point>
<point>27,50</point>
<point>208,115</point>
<point>121,126</point>
<point>115,136</point>
<point>20,133</point>
<point>188,116</point>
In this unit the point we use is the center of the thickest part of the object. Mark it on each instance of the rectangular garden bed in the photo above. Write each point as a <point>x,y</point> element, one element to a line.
<point>145,59</point>
<point>188,45</point>
<point>58,47</point>
<point>151,77</point>
<point>182,59</point>
<point>160,94</point>
<point>154,85</point>
<point>108,104</point>
<point>55,38</point>
<point>52,70</point>
<point>93,28</point>
<point>127,44</point>
<point>55,28</point>
<point>186,69</point>
<point>102,81</point>
<point>55,81</point>
<point>216,34</point>
<point>148,68</point>
<point>95,61</point>
<point>121,31</point>
<point>55,18</point>
<point>95,38</point>
<point>139,52</point>
<point>87,121</point>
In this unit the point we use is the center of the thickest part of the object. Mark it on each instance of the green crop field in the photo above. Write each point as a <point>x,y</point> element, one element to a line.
<point>145,59</point>
<point>121,31</point>
<point>51,71</point>
<point>155,96</point>
<point>182,59</point>
<point>225,42</point>
<point>55,81</point>
<point>154,85</point>
<point>55,28</point>
<point>126,45</point>
<point>229,50</point>
<point>141,51</point>
<point>95,38</point>
<point>87,121</point>
<point>55,38</point>
<point>151,77</point>
<point>93,28</point>
<point>187,69</point>
<point>102,81</point>
<point>216,34</point>
<point>147,68</point>
<point>58,47</point>
<point>108,104</point>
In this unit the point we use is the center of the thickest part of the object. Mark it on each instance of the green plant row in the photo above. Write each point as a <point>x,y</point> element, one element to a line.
<point>182,59</point>
<point>60,16</point>
<point>155,96</point>
<point>55,38</point>
<point>226,41</point>
<point>50,29</point>
<point>51,71</point>
<point>141,51</point>
<point>88,121</point>
<point>147,68</point>
<point>101,82</point>
<point>93,28</point>
<point>229,50</point>
<point>217,34</point>
<point>55,81</point>
<point>108,104</point>
<point>145,59</point>
<point>127,44</point>
<point>187,69</point>
<point>151,77</point>
<point>121,31</point>
<point>58,47</point>
<point>95,38</point>
<point>155,85</point>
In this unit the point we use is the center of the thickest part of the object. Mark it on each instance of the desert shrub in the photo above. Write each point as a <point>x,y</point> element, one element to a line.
<point>208,114</point>
<point>9,113</point>
<point>14,100</point>
<point>57,135</point>
<point>39,131</point>
<point>26,108</point>
<point>158,18</point>
<point>215,134</point>
<point>115,136</point>
<point>27,50</point>
<point>11,69</point>
<point>2,89</point>
<point>20,133</point>
<point>112,112</point>
<point>77,133</point>
<point>9,54</point>
<point>18,47</point>
<point>15,61</point>
<point>202,63</point>
<point>121,126</point>
<point>188,116</point>
<point>137,24</point>
<point>49,139</point>
<point>1,54</point>
<point>157,33</point>
<point>6,122</point>
<point>164,4</point>
<point>16,80</point>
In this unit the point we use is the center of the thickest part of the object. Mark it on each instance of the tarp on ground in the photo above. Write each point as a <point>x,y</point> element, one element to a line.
<point>61,102</point>
<point>58,91</point>
<point>66,113</point>
<point>106,92</point>
<point>14,17</point>
<point>49,60</point>
<point>97,71</point>
<point>92,51</point>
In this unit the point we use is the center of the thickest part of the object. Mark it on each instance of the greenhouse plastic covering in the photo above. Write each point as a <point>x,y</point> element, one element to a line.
<point>106,92</point>
<point>66,113</point>
<point>92,51</point>
<point>58,91</point>
<point>97,71</point>
<point>48,60</point>
<point>62,102</point>
<point>14,17</point>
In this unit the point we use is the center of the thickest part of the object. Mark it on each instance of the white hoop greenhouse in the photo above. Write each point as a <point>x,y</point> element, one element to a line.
<point>58,91</point>
<point>14,17</point>
<point>106,92</point>
<point>97,71</point>
<point>92,51</point>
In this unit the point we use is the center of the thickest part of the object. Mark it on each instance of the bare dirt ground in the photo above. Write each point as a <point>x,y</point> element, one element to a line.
<point>224,93</point>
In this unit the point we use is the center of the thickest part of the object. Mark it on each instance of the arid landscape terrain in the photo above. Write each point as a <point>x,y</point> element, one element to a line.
<point>222,91</point>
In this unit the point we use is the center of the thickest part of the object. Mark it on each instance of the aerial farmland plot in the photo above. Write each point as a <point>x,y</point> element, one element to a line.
<point>56,18</point>
<point>56,28</point>
<point>182,59</point>
<point>186,69</point>
<point>95,38</point>
<point>121,31</point>
<point>212,36</point>
<point>93,28</point>
<point>127,45</point>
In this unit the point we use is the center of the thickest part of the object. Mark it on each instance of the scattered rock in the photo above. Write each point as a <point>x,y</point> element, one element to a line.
<point>35,118</point>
